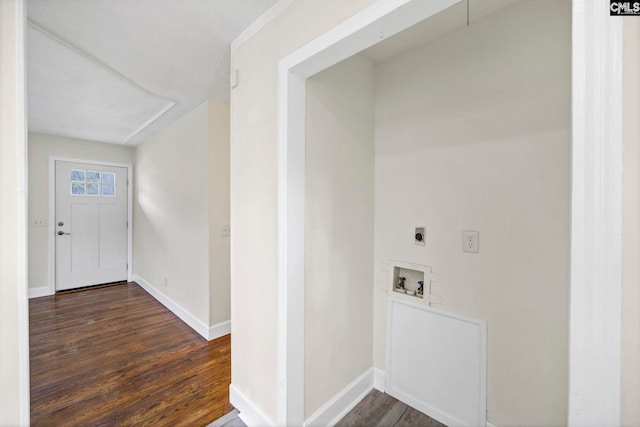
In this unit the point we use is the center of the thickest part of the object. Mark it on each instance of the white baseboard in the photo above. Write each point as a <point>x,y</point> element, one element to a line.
<point>327,415</point>
<point>219,330</point>
<point>379,378</point>
<point>250,413</point>
<point>207,332</point>
<point>436,414</point>
<point>344,401</point>
<point>38,292</point>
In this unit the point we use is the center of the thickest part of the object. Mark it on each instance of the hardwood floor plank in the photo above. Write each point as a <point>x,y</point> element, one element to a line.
<point>369,411</point>
<point>380,409</point>
<point>413,417</point>
<point>115,356</point>
<point>394,414</point>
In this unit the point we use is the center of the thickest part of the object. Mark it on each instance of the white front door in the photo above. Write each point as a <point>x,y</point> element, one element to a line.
<point>90,224</point>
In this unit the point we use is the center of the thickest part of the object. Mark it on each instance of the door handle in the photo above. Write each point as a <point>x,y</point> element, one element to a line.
<point>62,233</point>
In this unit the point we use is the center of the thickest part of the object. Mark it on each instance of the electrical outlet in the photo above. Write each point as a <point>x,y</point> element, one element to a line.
<point>470,241</point>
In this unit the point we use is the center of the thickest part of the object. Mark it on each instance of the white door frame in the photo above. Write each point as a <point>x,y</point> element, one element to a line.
<point>595,320</point>
<point>13,212</point>
<point>52,214</point>
<point>594,365</point>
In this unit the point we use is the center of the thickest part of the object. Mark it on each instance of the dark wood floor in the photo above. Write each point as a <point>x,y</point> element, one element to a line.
<point>381,410</point>
<point>115,356</point>
<point>375,410</point>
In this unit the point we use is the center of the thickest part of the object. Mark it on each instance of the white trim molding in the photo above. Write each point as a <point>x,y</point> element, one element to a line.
<point>345,400</point>
<point>14,406</point>
<point>52,214</point>
<point>596,206</point>
<point>219,330</point>
<point>250,413</point>
<point>326,416</point>
<point>42,291</point>
<point>207,332</point>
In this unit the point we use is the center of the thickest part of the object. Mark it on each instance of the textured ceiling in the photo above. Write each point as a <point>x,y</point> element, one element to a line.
<point>120,70</point>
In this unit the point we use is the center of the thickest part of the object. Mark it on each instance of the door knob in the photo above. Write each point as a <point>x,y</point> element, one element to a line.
<point>60,223</point>
<point>61,233</point>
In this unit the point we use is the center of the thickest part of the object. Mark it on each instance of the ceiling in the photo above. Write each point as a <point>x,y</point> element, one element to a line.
<point>118,71</point>
<point>433,27</point>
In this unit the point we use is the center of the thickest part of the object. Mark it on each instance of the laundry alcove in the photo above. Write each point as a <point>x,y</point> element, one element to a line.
<point>450,127</point>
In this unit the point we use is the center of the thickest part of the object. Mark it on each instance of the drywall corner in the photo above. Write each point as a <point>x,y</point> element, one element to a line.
<point>219,221</point>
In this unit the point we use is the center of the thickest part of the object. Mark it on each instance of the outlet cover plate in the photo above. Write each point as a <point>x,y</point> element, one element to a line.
<point>420,235</point>
<point>470,241</point>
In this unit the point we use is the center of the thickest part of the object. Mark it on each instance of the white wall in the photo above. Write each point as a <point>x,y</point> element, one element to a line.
<point>14,332</point>
<point>41,147</point>
<point>472,132</point>
<point>171,212</point>
<point>630,410</point>
<point>254,190</point>
<point>338,229</point>
<point>219,262</point>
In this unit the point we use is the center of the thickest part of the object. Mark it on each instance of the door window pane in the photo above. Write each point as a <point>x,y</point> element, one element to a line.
<point>77,188</point>
<point>93,189</point>
<point>108,190</point>
<point>108,178</point>
<point>93,176</point>
<point>77,175</point>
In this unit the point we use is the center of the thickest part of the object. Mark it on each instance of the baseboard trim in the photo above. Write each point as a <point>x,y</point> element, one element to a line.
<point>490,425</point>
<point>250,413</point>
<point>344,401</point>
<point>436,414</point>
<point>219,330</point>
<point>207,332</point>
<point>42,291</point>
<point>379,378</point>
